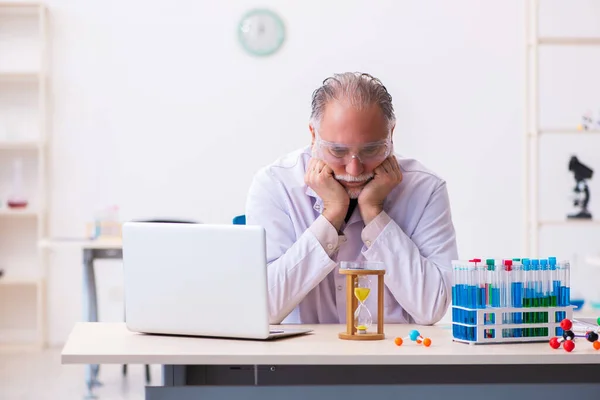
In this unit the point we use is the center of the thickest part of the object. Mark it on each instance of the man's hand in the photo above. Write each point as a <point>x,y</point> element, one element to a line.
<point>319,177</point>
<point>386,177</point>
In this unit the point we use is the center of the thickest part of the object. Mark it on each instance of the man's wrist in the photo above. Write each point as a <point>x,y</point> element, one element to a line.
<point>335,215</point>
<point>369,213</point>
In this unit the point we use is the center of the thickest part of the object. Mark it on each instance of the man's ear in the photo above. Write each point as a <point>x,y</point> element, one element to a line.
<point>312,134</point>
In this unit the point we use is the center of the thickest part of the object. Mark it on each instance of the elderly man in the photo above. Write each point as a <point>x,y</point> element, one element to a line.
<point>348,197</point>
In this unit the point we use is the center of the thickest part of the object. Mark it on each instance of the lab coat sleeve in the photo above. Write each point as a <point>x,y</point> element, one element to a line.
<point>418,268</point>
<point>295,265</point>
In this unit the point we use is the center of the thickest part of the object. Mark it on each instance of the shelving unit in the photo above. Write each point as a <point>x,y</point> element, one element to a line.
<point>21,145</point>
<point>533,131</point>
<point>23,134</point>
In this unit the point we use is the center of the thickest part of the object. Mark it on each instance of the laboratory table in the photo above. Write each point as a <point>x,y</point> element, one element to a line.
<point>319,365</point>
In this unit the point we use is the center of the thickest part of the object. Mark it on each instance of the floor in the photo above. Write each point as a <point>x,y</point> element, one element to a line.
<point>39,375</point>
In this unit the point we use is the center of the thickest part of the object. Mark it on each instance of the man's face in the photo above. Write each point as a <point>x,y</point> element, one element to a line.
<point>352,142</point>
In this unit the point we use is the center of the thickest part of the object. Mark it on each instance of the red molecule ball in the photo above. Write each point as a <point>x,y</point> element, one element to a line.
<point>554,343</point>
<point>596,345</point>
<point>566,324</point>
<point>569,345</point>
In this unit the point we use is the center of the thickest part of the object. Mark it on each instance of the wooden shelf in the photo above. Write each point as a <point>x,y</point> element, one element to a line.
<point>567,132</point>
<point>14,4</point>
<point>20,8</point>
<point>17,281</point>
<point>10,212</point>
<point>569,41</point>
<point>17,145</point>
<point>9,76</point>
<point>590,222</point>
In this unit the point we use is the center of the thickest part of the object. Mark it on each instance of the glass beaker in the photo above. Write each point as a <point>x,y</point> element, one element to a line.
<point>17,197</point>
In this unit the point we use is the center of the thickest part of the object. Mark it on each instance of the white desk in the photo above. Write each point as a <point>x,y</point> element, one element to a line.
<point>319,365</point>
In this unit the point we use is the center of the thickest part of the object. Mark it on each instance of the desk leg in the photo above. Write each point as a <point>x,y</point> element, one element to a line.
<point>173,375</point>
<point>90,313</point>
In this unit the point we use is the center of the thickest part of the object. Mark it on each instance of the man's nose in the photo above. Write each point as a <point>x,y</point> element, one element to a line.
<point>355,167</point>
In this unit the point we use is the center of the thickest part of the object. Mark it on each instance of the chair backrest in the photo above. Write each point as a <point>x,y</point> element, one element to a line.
<point>169,221</point>
<point>239,220</point>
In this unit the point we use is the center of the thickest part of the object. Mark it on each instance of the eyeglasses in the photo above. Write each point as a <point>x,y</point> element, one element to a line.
<point>342,154</point>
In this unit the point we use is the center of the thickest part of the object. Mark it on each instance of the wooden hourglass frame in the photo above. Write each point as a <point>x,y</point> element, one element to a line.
<point>352,303</point>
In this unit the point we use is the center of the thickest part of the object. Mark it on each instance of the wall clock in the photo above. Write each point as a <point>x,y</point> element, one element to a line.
<point>261,32</point>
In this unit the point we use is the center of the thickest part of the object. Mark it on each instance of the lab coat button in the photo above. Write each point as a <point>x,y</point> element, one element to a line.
<point>339,287</point>
<point>330,246</point>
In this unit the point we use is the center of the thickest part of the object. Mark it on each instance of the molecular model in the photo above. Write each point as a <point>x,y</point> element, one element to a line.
<point>568,337</point>
<point>414,336</point>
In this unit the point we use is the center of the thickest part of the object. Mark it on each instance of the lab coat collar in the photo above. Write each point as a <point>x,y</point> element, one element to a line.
<point>318,206</point>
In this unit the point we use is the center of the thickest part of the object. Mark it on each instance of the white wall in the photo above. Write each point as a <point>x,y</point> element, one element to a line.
<point>158,109</point>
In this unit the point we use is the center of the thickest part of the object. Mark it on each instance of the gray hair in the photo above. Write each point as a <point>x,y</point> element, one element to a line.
<point>360,89</point>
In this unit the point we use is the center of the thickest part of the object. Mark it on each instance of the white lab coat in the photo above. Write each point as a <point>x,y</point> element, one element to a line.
<point>417,246</point>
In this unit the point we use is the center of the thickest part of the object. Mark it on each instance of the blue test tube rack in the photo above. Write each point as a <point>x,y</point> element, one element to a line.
<point>509,301</point>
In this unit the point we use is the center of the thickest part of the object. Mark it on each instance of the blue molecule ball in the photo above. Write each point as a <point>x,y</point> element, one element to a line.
<point>414,334</point>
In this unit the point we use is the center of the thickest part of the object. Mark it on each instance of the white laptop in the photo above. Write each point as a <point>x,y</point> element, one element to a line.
<point>198,280</point>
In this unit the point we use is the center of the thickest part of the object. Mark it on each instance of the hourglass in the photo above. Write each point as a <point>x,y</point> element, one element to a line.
<point>362,315</point>
<point>358,289</point>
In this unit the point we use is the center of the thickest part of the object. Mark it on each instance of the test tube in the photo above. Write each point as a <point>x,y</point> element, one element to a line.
<point>480,267</point>
<point>554,290</point>
<point>545,294</point>
<point>568,283</point>
<point>501,283</point>
<point>545,283</point>
<point>537,288</point>
<point>517,293</point>
<point>469,277</point>
<point>489,282</point>
<point>489,276</point>
<point>454,283</point>
<point>463,290</point>
<point>507,288</point>
<point>554,282</point>
<point>566,266</point>
<point>562,279</point>
<point>526,294</point>
<point>474,284</point>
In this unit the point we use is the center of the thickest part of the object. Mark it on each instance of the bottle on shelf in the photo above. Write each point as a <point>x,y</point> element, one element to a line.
<point>17,198</point>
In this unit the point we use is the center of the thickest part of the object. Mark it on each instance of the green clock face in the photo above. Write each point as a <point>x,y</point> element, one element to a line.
<point>261,32</point>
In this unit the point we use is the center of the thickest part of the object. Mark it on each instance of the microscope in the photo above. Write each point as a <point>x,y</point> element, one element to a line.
<point>581,189</point>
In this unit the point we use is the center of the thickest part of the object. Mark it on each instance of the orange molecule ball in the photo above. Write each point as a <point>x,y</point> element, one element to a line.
<point>596,345</point>
<point>418,341</point>
<point>398,341</point>
<point>427,342</point>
